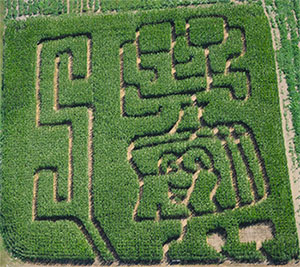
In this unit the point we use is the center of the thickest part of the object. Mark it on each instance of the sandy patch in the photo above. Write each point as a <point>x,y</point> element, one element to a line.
<point>257,233</point>
<point>216,240</point>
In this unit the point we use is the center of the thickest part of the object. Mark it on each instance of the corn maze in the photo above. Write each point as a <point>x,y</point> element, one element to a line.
<point>145,137</point>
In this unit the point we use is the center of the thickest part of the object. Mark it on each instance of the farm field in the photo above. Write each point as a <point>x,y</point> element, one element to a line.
<point>138,132</point>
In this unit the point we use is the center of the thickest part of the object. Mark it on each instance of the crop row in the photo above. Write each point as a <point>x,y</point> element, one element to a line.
<point>19,8</point>
<point>287,18</point>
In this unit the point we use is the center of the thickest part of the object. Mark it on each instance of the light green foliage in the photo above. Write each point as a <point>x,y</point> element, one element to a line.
<point>196,156</point>
<point>180,179</point>
<point>168,160</point>
<point>135,106</point>
<point>243,184</point>
<point>239,129</point>
<point>155,38</point>
<point>206,31</point>
<point>200,198</point>
<point>223,131</point>
<point>109,5</point>
<point>154,194</point>
<point>253,164</point>
<point>235,81</point>
<point>155,77</point>
<point>165,84</point>
<point>18,8</point>
<point>180,193</point>
<point>205,132</point>
<point>155,140</point>
<point>189,120</point>
<point>190,60</point>
<point>180,27</point>
<point>182,50</point>
<point>218,54</point>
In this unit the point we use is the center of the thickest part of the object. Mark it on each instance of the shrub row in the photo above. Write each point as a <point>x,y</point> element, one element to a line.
<point>287,19</point>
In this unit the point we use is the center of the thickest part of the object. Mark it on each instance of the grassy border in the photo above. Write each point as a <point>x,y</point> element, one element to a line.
<point>1,53</point>
<point>288,57</point>
<point>3,252</point>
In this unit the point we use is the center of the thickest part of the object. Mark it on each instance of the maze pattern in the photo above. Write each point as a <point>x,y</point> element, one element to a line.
<point>141,141</point>
<point>193,169</point>
<point>65,107</point>
<point>188,65</point>
<point>50,112</point>
<point>193,183</point>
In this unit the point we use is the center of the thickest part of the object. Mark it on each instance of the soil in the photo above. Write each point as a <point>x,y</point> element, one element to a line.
<point>174,129</point>
<point>258,233</point>
<point>216,241</point>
